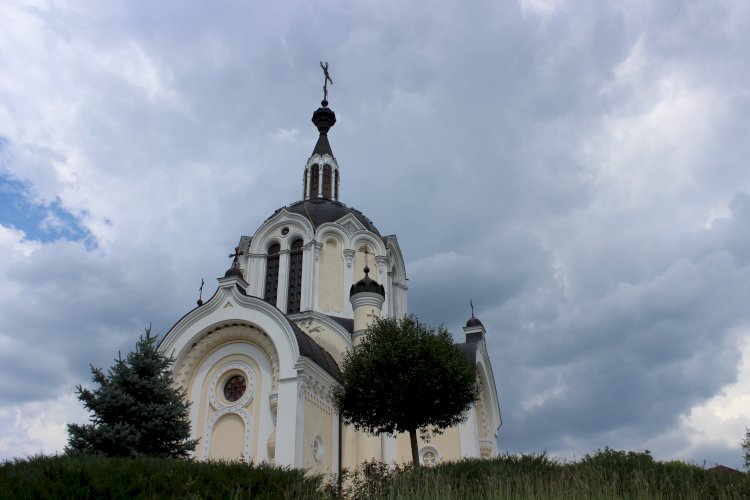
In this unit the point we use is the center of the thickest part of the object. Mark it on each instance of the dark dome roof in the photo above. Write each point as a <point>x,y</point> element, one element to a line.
<point>473,322</point>
<point>234,271</point>
<point>320,210</point>
<point>367,285</point>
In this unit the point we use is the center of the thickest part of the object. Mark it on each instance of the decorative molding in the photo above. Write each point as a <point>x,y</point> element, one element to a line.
<point>317,249</point>
<point>247,443</point>
<point>321,160</point>
<point>224,334</point>
<point>382,263</point>
<point>349,256</point>
<point>486,448</point>
<point>246,397</point>
<point>318,448</point>
<point>315,391</point>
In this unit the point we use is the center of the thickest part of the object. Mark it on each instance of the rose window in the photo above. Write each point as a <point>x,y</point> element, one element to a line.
<point>234,388</point>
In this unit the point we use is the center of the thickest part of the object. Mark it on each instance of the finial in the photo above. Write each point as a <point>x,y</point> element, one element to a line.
<point>471,303</point>
<point>236,255</point>
<point>200,293</point>
<point>235,269</point>
<point>326,80</point>
<point>367,270</point>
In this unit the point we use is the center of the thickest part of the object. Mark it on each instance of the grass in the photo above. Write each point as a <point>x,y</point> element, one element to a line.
<point>605,474</point>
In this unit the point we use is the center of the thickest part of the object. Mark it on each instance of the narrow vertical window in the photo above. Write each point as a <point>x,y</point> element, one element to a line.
<point>272,274</point>
<point>314,181</point>
<point>304,189</point>
<point>294,295</point>
<point>336,187</point>
<point>327,180</point>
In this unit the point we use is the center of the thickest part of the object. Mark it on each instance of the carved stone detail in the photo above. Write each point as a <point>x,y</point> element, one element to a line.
<point>349,256</point>
<point>245,333</point>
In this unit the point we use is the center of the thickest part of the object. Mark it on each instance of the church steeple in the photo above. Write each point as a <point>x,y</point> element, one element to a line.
<point>321,178</point>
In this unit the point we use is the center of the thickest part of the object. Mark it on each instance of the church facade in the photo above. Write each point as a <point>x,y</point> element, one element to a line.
<point>259,358</point>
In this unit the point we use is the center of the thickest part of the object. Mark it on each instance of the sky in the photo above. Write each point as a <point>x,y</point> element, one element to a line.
<point>576,168</point>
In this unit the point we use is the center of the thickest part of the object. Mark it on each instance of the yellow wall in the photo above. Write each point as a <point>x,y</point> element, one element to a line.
<point>331,276</point>
<point>318,422</point>
<point>224,438</point>
<point>448,445</point>
<point>231,436</point>
<point>360,261</point>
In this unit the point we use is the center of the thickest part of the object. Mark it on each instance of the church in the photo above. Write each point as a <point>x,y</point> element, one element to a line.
<point>259,358</point>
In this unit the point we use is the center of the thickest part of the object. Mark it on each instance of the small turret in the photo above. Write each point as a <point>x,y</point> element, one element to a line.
<point>474,328</point>
<point>367,297</point>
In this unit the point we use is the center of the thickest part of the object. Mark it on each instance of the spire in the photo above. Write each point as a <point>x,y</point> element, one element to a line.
<point>321,179</point>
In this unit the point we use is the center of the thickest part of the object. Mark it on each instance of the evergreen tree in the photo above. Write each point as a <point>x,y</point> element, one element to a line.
<point>746,447</point>
<point>136,410</point>
<point>405,377</point>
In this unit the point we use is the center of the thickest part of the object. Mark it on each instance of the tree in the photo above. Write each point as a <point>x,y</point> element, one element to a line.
<point>746,447</point>
<point>405,377</point>
<point>136,410</point>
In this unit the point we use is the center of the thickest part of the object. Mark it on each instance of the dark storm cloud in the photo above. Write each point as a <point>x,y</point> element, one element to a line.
<point>578,169</point>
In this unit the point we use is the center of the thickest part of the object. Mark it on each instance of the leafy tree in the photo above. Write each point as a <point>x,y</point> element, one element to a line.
<point>746,447</point>
<point>405,377</point>
<point>136,410</point>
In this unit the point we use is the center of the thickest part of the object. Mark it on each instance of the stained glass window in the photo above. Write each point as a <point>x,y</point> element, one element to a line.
<point>234,388</point>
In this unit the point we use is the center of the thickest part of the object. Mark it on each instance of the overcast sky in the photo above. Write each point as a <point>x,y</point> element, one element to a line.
<point>579,169</point>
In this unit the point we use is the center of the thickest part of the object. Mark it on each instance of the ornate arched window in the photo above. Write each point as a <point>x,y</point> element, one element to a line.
<point>272,274</point>
<point>294,294</point>
<point>327,180</point>
<point>314,181</point>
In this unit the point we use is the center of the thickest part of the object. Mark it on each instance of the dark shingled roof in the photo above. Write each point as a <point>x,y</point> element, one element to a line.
<point>469,350</point>
<point>320,210</point>
<point>347,323</point>
<point>311,349</point>
<point>322,147</point>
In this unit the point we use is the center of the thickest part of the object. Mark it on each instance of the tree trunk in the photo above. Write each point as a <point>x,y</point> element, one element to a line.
<point>414,448</point>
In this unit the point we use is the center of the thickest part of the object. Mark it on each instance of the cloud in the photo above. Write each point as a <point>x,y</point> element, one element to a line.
<point>576,168</point>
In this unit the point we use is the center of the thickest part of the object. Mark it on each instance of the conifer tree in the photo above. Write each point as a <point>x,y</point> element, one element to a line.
<point>405,377</point>
<point>135,408</point>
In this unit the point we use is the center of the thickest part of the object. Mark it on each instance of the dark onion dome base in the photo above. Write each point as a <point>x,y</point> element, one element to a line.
<point>322,210</point>
<point>473,322</point>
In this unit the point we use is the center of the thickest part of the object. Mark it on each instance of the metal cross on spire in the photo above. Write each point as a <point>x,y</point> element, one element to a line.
<point>326,80</point>
<point>471,303</point>
<point>236,255</point>
<point>200,293</point>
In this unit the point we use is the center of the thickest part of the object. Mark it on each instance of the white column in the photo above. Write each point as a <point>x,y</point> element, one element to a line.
<point>468,435</point>
<point>387,448</point>
<point>283,286</point>
<point>349,255</point>
<point>286,420</point>
<point>320,182</point>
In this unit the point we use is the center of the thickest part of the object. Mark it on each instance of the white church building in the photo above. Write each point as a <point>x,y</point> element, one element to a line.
<point>259,358</point>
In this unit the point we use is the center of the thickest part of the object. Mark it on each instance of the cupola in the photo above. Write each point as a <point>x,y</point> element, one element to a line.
<point>321,178</point>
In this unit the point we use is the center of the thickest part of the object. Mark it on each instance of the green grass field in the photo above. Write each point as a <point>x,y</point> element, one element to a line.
<point>606,474</point>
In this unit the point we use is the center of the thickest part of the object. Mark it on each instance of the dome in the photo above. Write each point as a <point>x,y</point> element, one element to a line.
<point>367,285</point>
<point>473,322</point>
<point>321,210</point>
<point>234,271</point>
